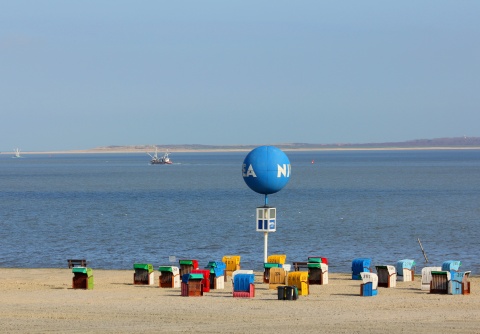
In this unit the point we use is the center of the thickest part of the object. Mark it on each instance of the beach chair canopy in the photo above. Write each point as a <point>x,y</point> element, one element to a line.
<point>451,265</point>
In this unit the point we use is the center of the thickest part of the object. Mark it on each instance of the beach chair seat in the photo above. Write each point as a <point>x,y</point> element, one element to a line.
<point>82,278</point>
<point>277,278</point>
<point>217,274</point>
<point>317,273</point>
<point>143,274</point>
<point>206,278</point>
<point>360,265</point>
<point>232,263</point>
<point>440,282</point>
<point>459,284</point>
<point>186,266</point>
<point>405,270</point>
<point>369,284</point>
<point>169,277</point>
<point>192,285</point>
<point>243,285</point>
<point>387,276</point>
<point>427,277</point>
<point>266,272</point>
<point>300,280</point>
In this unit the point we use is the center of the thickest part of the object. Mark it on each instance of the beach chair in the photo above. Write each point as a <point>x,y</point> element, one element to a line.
<point>277,258</point>
<point>317,273</point>
<point>82,278</point>
<point>217,274</point>
<point>186,266</point>
<point>360,265</point>
<point>405,270</point>
<point>266,271</point>
<point>243,285</point>
<point>143,274</point>
<point>273,261</point>
<point>192,285</point>
<point>440,282</point>
<point>459,284</point>
<point>206,278</point>
<point>169,277</point>
<point>241,271</point>
<point>232,263</point>
<point>369,284</point>
<point>277,278</point>
<point>300,280</point>
<point>387,276</point>
<point>427,277</point>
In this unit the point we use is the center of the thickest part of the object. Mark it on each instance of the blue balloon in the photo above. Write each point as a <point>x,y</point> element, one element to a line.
<point>266,169</point>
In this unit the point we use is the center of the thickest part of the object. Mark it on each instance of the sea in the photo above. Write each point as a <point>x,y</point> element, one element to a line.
<point>116,209</point>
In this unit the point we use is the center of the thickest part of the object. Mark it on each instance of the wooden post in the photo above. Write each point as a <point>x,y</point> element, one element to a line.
<point>421,247</point>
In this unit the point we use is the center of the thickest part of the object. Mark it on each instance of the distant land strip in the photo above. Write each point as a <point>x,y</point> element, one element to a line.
<point>417,144</point>
<point>438,143</point>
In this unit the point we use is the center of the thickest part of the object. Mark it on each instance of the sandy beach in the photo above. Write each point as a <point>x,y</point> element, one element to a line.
<point>42,300</point>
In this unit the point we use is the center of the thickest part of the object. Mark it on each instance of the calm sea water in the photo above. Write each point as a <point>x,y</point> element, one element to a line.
<point>116,209</point>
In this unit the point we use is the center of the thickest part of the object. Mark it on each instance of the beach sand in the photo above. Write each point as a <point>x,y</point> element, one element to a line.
<point>42,300</point>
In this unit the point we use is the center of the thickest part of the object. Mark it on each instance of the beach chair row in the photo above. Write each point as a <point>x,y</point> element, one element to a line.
<point>194,281</point>
<point>214,273</point>
<point>446,279</point>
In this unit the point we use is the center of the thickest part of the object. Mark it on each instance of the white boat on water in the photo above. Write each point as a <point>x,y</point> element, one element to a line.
<point>156,160</point>
<point>17,153</point>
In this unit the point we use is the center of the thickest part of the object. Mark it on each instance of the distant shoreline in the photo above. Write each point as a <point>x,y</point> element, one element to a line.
<point>226,150</point>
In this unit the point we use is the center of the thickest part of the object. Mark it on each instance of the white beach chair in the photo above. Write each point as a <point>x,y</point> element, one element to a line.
<point>387,276</point>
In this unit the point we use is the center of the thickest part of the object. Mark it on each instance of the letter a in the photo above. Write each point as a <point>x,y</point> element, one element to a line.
<point>250,172</point>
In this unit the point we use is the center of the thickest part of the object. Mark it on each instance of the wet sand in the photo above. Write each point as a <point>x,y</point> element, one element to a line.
<point>42,300</point>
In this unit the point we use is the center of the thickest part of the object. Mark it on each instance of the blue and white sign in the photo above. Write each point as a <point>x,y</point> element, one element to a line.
<point>266,169</point>
<point>266,219</point>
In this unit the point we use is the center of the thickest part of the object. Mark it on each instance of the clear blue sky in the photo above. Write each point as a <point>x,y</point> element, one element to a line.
<point>83,74</point>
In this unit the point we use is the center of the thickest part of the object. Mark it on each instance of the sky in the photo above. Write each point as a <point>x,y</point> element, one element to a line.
<point>84,74</point>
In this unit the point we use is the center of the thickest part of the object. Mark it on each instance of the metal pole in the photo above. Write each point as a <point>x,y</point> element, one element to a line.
<point>265,247</point>
<point>266,235</point>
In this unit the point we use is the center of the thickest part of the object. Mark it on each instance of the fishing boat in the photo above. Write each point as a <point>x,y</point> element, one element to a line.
<point>156,160</point>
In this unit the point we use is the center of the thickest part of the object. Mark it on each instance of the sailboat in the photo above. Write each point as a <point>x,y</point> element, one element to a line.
<point>17,153</point>
<point>156,160</point>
